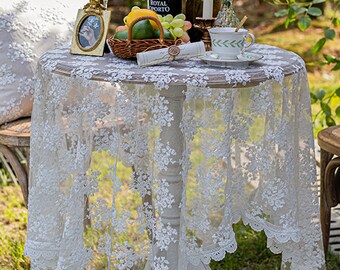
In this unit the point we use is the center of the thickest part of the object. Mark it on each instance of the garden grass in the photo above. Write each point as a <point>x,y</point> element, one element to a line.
<point>13,223</point>
<point>252,253</point>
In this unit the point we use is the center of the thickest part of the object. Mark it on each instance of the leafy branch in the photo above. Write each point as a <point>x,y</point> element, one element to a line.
<point>320,97</point>
<point>301,13</point>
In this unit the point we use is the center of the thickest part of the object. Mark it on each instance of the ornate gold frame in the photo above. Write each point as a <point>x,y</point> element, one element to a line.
<point>94,8</point>
<point>100,35</point>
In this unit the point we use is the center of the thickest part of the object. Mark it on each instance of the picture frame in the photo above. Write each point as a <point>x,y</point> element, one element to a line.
<point>91,29</point>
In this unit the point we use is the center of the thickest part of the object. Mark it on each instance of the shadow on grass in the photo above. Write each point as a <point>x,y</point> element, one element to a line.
<point>251,254</point>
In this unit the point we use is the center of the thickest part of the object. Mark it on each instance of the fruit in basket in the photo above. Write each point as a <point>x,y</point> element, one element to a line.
<point>121,28</point>
<point>123,34</point>
<point>187,25</point>
<point>178,32</point>
<point>180,16</point>
<point>166,25</point>
<point>174,27</point>
<point>139,12</point>
<point>168,18</point>
<point>135,8</point>
<point>167,34</point>
<point>177,25</point>
<point>143,30</point>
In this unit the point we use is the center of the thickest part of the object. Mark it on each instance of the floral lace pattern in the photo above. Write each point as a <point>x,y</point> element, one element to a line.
<point>207,147</point>
<point>27,29</point>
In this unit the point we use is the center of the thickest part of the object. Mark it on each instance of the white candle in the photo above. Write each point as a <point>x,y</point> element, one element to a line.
<point>208,9</point>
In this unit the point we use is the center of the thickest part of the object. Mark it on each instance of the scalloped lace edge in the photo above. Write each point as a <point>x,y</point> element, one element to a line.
<point>257,225</point>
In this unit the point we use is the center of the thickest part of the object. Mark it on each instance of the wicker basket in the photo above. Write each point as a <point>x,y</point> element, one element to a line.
<point>128,48</point>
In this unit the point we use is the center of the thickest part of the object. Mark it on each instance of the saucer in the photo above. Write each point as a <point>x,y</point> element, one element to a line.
<point>242,60</point>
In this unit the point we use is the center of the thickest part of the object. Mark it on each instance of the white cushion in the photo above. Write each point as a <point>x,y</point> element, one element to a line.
<point>28,29</point>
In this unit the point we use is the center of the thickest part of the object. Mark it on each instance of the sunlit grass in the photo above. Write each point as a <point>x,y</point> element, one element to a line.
<point>13,220</point>
<point>252,253</point>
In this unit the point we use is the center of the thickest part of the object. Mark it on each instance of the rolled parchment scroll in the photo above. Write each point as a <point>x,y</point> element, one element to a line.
<point>171,53</point>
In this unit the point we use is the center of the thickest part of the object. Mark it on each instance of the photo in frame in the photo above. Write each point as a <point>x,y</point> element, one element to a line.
<point>91,29</point>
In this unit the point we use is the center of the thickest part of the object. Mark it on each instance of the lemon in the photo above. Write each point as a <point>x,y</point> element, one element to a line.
<point>134,14</point>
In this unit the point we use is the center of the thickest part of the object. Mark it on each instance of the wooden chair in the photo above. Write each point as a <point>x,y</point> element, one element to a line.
<point>14,151</point>
<point>329,142</point>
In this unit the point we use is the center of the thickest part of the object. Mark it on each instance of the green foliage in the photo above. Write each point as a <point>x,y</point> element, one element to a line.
<point>314,11</point>
<point>319,45</point>
<point>303,12</point>
<point>336,22</point>
<point>330,34</point>
<point>326,116</point>
<point>304,22</point>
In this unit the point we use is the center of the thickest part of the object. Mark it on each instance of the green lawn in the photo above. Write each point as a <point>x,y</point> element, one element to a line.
<point>13,220</point>
<point>251,254</point>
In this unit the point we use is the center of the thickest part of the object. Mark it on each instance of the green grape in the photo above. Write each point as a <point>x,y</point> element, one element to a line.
<point>172,32</point>
<point>166,25</point>
<point>168,18</point>
<point>178,32</point>
<point>160,18</point>
<point>124,19</point>
<point>135,8</point>
<point>180,16</point>
<point>177,23</point>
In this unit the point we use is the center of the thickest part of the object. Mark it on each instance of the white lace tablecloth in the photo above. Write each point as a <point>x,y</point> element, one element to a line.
<point>170,158</point>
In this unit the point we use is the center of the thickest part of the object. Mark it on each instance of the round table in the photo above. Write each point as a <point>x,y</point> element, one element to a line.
<point>169,157</point>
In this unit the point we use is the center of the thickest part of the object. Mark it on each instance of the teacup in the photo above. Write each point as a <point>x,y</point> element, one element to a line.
<point>227,43</point>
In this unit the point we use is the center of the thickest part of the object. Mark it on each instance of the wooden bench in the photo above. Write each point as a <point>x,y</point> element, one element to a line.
<point>14,151</point>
